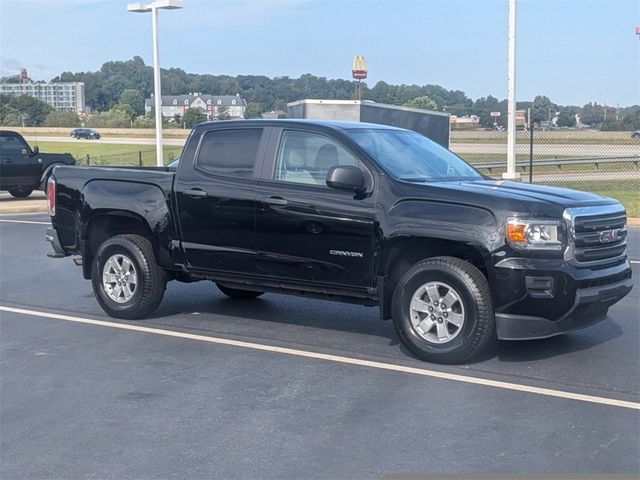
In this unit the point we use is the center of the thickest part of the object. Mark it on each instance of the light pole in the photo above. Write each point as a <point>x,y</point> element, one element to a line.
<point>153,7</point>
<point>511,173</point>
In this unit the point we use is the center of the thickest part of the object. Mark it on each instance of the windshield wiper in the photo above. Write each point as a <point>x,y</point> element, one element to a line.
<point>415,179</point>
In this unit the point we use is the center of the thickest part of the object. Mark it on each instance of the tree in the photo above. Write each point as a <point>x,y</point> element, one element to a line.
<point>31,111</point>
<point>222,113</point>
<point>543,109</point>
<point>62,119</point>
<point>253,110</point>
<point>192,117</point>
<point>566,118</point>
<point>134,99</point>
<point>631,118</point>
<point>422,103</point>
<point>126,109</point>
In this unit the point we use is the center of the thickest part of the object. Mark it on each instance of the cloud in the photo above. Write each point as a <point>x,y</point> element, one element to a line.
<point>36,71</point>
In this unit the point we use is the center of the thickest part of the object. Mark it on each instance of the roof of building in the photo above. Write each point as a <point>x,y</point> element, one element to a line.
<point>225,100</point>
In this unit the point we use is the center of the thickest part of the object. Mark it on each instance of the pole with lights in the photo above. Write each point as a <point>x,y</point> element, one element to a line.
<point>153,7</point>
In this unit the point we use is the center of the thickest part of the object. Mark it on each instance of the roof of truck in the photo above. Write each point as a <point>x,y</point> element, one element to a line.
<point>335,124</point>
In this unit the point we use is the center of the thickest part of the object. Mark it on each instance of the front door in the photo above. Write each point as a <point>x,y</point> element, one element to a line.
<point>306,231</point>
<point>215,199</point>
<point>19,167</point>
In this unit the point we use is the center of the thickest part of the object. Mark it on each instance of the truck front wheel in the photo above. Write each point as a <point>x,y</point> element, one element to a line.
<point>126,280</point>
<point>238,293</point>
<point>442,310</point>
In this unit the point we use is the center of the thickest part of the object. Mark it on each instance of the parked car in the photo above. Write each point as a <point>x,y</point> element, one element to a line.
<point>87,133</point>
<point>23,169</point>
<point>350,212</point>
<point>635,134</point>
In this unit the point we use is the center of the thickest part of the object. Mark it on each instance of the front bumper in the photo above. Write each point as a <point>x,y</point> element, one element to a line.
<point>51,236</point>
<point>547,298</point>
<point>590,306</point>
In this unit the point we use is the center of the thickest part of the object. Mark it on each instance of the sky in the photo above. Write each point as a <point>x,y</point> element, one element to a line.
<point>574,51</point>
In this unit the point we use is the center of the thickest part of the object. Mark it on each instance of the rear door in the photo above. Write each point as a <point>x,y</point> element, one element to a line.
<point>215,198</point>
<point>306,231</point>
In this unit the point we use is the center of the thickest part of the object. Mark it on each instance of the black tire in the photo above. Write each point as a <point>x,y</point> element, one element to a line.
<point>478,327</point>
<point>151,279</point>
<point>20,192</point>
<point>238,293</point>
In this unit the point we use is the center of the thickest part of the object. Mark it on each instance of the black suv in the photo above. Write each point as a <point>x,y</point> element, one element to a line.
<point>87,133</point>
<point>23,169</point>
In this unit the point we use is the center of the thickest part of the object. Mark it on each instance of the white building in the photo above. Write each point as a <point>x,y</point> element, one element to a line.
<point>213,106</point>
<point>64,96</point>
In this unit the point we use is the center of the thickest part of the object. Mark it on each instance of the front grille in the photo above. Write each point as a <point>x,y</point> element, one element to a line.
<point>597,235</point>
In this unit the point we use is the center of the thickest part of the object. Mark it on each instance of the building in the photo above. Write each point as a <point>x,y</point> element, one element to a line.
<point>63,96</point>
<point>214,106</point>
<point>433,125</point>
<point>468,121</point>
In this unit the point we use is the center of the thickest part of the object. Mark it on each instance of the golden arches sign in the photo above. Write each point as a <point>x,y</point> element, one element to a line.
<point>359,69</point>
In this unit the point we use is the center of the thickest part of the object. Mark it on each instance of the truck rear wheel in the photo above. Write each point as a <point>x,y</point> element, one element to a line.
<point>20,192</point>
<point>238,293</point>
<point>442,311</point>
<point>126,280</point>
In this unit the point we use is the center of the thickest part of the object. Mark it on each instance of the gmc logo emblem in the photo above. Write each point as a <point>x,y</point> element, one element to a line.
<point>608,236</point>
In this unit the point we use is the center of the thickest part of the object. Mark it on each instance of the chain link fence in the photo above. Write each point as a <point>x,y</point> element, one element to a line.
<point>601,162</point>
<point>134,158</point>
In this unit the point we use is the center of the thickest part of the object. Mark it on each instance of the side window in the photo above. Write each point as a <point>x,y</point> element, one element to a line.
<point>12,144</point>
<point>229,152</point>
<point>307,157</point>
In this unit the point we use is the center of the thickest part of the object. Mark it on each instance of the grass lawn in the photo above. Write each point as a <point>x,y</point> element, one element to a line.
<point>626,192</point>
<point>110,154</point>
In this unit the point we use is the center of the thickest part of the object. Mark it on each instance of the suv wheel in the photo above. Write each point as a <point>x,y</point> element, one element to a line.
<point>442,310</point>
<point>20,192</point>
<point>238,293</point>
<point>126,280</point>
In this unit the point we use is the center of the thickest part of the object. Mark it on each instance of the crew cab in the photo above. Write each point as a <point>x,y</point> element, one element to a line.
<point>23,169</point>
<point>351,212</point>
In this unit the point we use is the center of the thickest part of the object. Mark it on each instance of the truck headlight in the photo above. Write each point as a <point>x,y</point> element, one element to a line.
<point>523,234</point>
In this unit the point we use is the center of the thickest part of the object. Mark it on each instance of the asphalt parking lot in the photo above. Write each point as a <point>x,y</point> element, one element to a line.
<point>282,387</point>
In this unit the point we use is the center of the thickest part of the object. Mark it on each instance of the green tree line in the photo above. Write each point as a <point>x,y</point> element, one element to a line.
<point>119,88</point>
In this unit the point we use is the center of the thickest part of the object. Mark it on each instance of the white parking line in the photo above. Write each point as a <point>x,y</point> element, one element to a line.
<point>24,221</point>
<point>337,359</point>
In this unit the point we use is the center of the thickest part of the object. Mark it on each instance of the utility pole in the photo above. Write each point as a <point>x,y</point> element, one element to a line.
<point>511,173</point>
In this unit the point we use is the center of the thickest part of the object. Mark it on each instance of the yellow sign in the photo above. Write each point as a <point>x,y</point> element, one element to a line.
<point>359,69</point>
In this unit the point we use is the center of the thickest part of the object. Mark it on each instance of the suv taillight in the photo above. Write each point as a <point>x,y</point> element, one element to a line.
<point>51,195</point>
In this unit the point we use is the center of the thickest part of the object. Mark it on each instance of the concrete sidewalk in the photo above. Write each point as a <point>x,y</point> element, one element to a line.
<point>35,203</point>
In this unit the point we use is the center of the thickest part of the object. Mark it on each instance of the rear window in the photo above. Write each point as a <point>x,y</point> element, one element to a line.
<point>229,152</point>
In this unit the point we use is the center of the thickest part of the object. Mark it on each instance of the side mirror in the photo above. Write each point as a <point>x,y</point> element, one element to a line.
<point>36,150</point>
<point>346,177</point>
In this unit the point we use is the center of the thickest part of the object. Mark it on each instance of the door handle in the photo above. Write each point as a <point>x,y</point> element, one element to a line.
<point>195,193</point>
<point>275,201</point>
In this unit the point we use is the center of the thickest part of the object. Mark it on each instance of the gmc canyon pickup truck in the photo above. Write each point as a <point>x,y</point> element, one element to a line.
<point>351,212</point>
<point>23,169</point>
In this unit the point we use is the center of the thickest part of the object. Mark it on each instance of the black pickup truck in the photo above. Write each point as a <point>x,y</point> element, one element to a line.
<point>23,169</point>
<point>350,212</point>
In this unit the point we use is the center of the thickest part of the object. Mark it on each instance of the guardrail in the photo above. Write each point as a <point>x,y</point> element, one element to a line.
<point>559,162</point>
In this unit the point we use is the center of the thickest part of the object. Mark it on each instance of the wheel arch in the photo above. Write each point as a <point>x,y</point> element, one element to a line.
<point>106,224</point>
<point>402,252</point>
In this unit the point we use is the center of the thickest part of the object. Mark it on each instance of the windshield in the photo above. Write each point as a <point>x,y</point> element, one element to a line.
<point>411,157</point>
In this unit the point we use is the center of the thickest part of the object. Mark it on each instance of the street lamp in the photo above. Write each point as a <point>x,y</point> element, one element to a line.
<point>511,173</point>
<point>153,7</point>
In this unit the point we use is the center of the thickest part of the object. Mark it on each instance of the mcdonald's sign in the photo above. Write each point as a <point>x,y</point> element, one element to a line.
<point>359,69</point>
